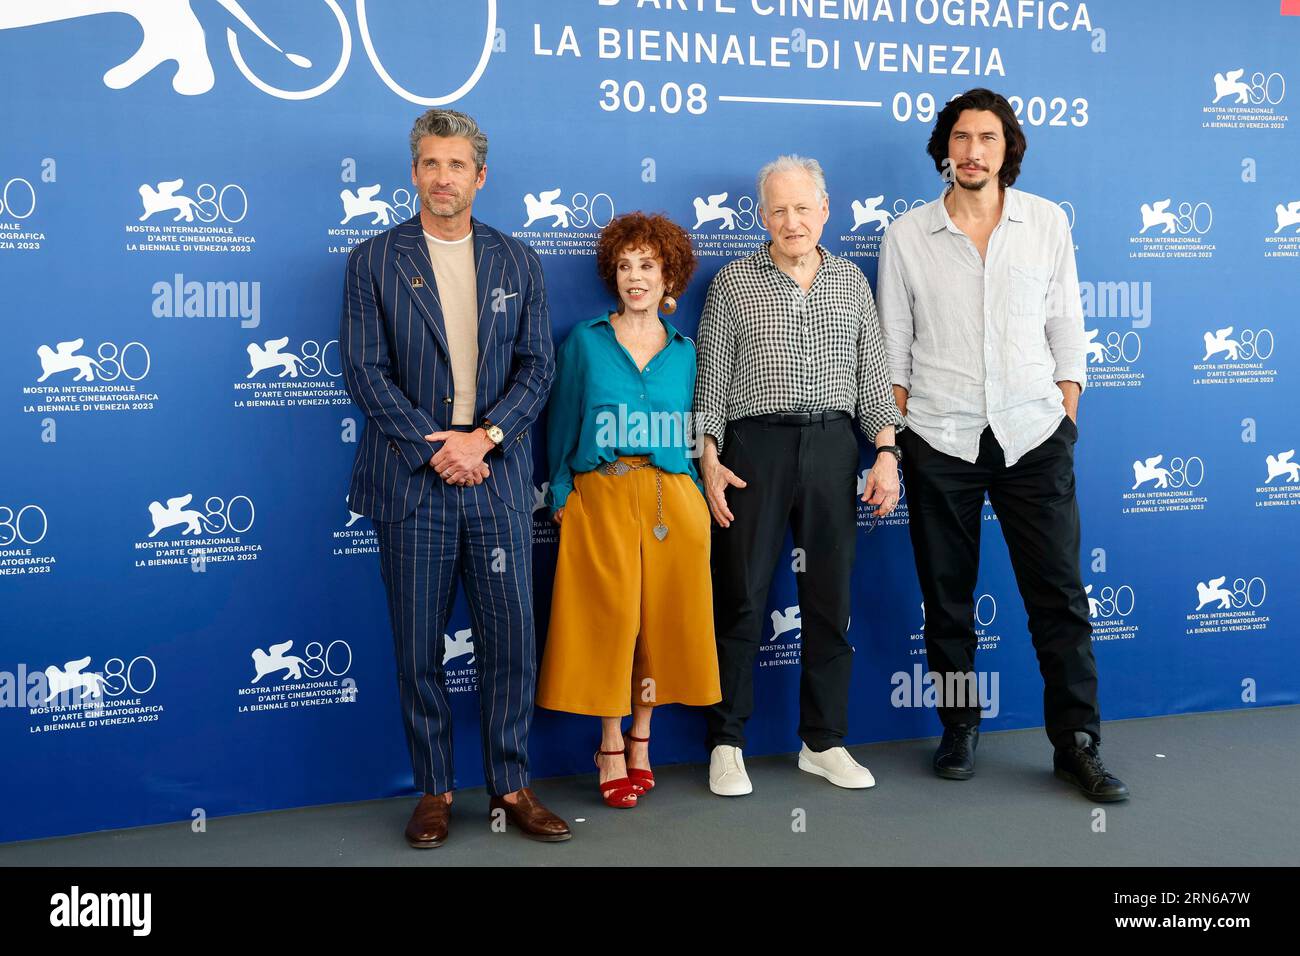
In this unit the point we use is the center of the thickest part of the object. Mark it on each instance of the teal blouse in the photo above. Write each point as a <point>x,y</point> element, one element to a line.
<point>602,406</point>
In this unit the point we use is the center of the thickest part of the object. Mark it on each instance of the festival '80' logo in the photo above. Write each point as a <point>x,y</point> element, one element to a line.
<point>1246,345</point>
<point>1245,99</point>
<point>279,376</point>
<point>277,661</point>
<point>1281,485</point>
<point>1235,356</point>
<point>77,685</point>
<point>459,661</point>
<point>1217,595</point>
<point>217,517</point>
<point>1110,601</point>
<point>18,201</point>
<point>17,198</point>
<point>1189,218</point>
<point>724,223</point>
<point>869,212</point>
<point>1228,605</point>
<point>720,212</point>
<point>172,33</point>
<point>227,203</point>
<point>75,696</point>
<point>366,201</point>
<point>284,680</point>
<point>550,209</point>
<point>871,217</point>
<point>207,216</point>
<point>1166,484</point>
<point>367,208</point>
<point>783,646</point>
<point>1113,354</point>
<point>107,377</point>
<point>1173,231</point>
<point>23,529</point>
<point>109,363</point>
<point>558,223</point>
<point>1110,607</point>
<point>1283,465</point>
<point>310,361</point>
<point>1114,347</point>
<point>1180,472</point>
<point>1288,216</point>
<point>182,534</point>
<point>1284,241</point>
<point>1236,90</point>
<point>23,525</point>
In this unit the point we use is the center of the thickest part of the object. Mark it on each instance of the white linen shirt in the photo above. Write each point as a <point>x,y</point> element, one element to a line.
<point>982,342</point>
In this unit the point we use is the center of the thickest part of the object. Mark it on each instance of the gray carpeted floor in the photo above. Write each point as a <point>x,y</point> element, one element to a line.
<point>1208,790</point>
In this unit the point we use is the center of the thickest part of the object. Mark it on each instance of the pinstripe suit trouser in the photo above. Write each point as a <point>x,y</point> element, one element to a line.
<point>463,533</point>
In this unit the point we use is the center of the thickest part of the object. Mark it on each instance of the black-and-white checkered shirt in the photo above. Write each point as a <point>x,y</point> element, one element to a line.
<point>766,346</point>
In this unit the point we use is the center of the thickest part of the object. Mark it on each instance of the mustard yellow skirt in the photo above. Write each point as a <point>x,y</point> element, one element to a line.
<point>631,615</point>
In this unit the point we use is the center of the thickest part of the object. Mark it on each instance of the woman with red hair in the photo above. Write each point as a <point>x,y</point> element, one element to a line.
<point>632,611</point>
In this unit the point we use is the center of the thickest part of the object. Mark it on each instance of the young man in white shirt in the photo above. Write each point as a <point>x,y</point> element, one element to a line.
<point>979,305</point>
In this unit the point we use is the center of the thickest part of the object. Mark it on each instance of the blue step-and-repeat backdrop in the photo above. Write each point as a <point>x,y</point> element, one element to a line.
<point>193,622</point>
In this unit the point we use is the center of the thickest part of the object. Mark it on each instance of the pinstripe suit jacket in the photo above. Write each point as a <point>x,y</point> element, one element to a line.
<point>396,365</point>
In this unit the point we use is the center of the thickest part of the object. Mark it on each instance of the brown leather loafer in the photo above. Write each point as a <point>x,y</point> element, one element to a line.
<point>428,824</point>
<point>528,814</point>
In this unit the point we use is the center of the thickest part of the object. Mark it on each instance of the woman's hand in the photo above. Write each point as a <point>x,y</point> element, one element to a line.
<point>558,516</point>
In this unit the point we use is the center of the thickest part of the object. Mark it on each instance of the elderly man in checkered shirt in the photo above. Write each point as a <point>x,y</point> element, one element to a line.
<point>790,354</point>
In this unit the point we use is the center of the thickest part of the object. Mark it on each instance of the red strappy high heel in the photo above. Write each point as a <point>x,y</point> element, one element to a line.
<point>619,794</point>
<point>643,781</point>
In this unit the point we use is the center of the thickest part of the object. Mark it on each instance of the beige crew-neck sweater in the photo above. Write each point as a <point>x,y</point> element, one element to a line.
<point>453,270</point>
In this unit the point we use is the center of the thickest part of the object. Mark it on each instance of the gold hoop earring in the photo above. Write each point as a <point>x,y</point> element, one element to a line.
<point>668,306</point>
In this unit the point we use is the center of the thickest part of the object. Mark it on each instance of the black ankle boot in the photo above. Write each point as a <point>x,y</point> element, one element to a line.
<point>1080,764</point>
<point>955,757</point>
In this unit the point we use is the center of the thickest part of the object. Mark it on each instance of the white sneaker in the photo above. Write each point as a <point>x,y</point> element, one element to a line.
<point>837,766</point>
<point>727,777</point>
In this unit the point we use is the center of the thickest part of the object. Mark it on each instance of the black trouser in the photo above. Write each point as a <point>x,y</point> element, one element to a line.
<point>801,476</point>
<point>1036,507</point>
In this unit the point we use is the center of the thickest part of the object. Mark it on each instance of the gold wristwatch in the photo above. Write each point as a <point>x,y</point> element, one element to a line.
<point>494,432</point>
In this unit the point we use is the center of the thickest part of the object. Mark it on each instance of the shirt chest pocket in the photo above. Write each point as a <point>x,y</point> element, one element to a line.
<point>1027,293</point>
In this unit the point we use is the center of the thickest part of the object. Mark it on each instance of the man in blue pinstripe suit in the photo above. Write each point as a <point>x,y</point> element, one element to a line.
<point>447,350</point>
